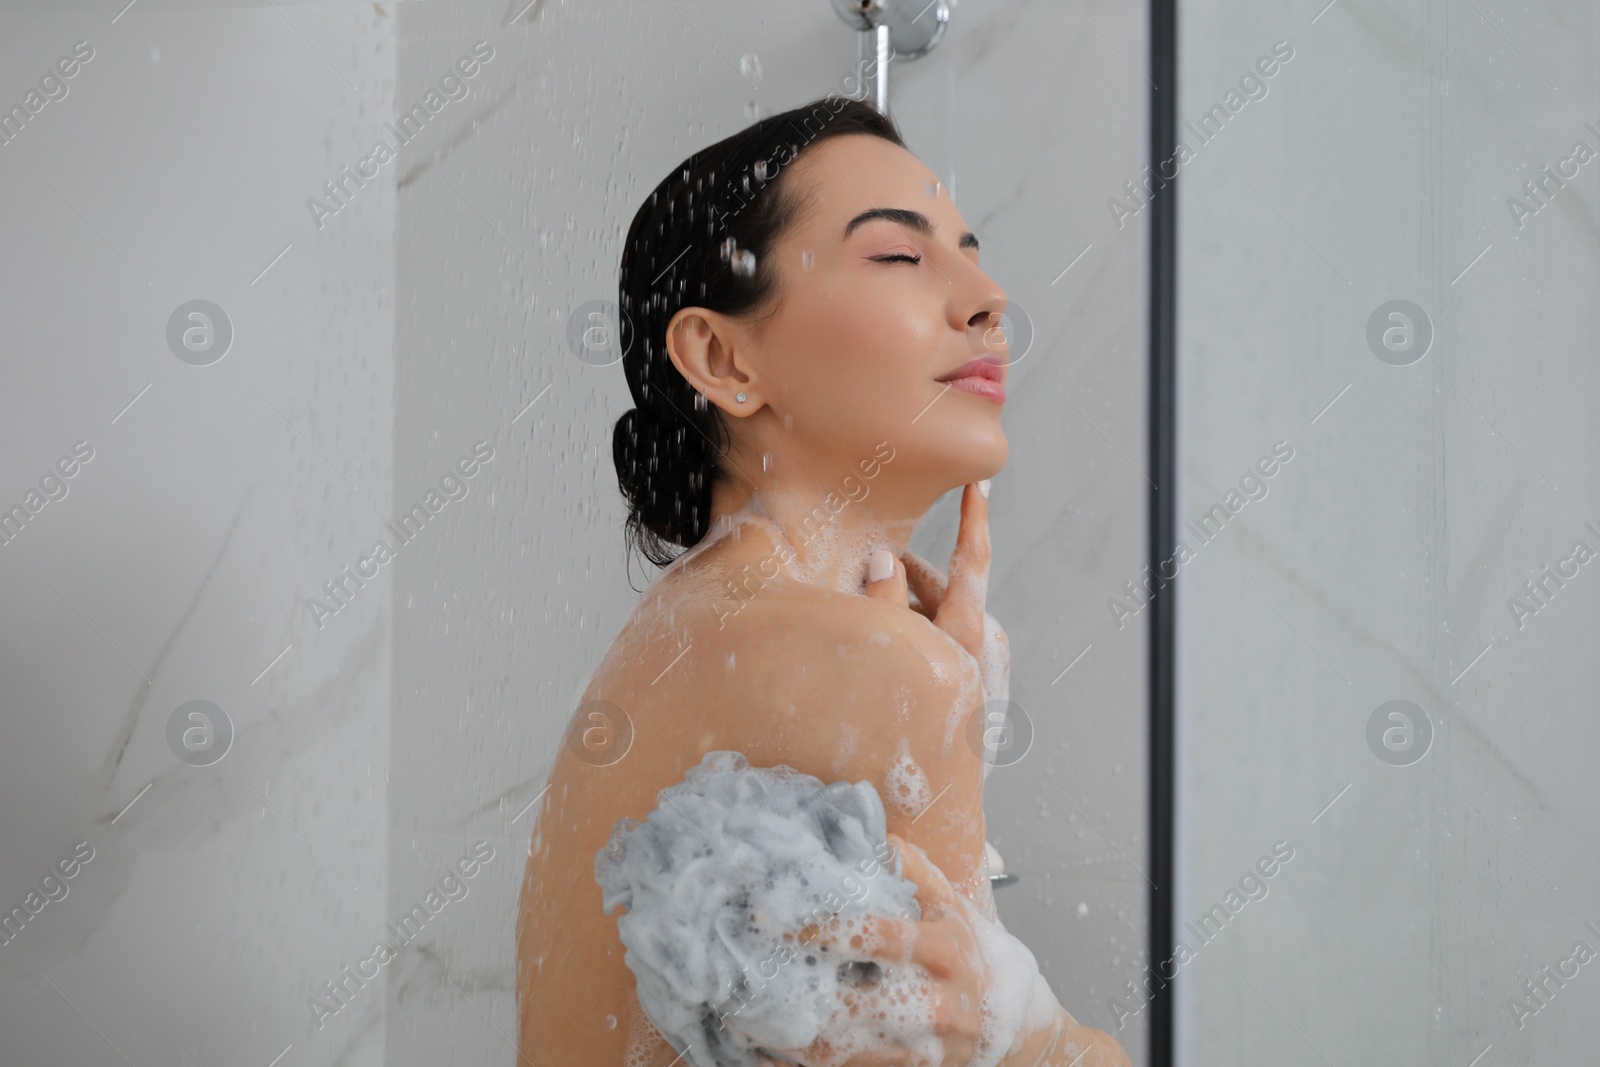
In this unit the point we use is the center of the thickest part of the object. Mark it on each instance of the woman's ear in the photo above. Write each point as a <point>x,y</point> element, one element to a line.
<point>707,347</point>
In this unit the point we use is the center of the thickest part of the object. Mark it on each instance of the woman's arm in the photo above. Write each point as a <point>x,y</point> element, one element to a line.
<point>1068,1044</point>
<point>1015,1002</point>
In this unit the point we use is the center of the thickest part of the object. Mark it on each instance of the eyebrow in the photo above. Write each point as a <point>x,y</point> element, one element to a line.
<point>912,220</point>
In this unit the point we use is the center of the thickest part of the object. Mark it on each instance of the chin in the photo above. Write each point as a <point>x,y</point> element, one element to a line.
<point>975,456</point>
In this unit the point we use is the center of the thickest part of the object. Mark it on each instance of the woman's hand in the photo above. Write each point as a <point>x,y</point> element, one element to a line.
<point>955,978</point>
<point>942,946</point>
<point>957,604</point>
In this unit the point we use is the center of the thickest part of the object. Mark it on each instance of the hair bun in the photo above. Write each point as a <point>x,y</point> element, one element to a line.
<point>640,434</point>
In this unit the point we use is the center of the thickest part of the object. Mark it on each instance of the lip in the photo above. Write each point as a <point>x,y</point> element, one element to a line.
<point>982,376</point>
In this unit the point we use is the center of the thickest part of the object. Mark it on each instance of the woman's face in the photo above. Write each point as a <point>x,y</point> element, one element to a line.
<point>880,302</point>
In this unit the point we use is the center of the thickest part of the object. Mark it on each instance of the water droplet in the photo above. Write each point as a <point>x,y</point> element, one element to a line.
<point>763,169</point>
<point>611,1022</point>
<point>766,461</point>
<point>744,263</point>
<point>1083,909</point>
<point>750,67</point>
<point>933,187</point>
<point>807,259</point>
<point>729,247</point>
<point>700,401</point>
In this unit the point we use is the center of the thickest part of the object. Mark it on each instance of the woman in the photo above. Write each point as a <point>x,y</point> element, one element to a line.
<point>814,355</point>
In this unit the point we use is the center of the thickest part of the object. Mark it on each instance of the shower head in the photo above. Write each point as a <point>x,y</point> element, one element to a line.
<point>915,26</point>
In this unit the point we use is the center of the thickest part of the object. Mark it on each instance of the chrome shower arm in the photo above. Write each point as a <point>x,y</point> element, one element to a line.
<point>890,29</point>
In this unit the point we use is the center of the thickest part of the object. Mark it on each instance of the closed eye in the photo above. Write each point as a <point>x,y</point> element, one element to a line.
<point>897,256</point>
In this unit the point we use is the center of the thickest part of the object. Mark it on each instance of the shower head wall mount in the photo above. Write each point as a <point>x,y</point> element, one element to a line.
<point>902,29</point>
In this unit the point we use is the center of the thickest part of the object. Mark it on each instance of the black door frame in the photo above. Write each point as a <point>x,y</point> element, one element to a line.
<point>1162,531</point>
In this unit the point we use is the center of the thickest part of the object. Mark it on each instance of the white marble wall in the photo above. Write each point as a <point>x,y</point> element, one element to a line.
<point>1378,167</point>
<point>177,566</point>
<point>511,214</point>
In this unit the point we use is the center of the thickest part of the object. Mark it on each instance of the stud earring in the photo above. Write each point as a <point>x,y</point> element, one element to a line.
<point>740,397</point>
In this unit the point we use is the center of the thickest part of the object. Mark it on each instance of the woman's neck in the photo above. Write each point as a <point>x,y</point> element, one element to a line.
<point>831,529</point>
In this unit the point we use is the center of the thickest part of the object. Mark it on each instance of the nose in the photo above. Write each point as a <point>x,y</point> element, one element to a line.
<point>977,304</point>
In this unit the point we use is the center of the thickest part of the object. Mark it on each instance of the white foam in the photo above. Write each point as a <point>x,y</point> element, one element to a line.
<point>905,786</point>
<point>731,859</point>
<point>642,1036</point>
<point>994,663</point>
<point>1018,1000</point>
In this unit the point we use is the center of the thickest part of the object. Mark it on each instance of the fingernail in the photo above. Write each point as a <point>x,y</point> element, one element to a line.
<point>983,487</point>
<point>881,565</point>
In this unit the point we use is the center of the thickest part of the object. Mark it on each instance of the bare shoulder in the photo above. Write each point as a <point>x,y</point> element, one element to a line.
<point>844,647</point>
<point>726,654</point>
<point>838,686</point>
<point>850,688</point>
<point>718,629</point>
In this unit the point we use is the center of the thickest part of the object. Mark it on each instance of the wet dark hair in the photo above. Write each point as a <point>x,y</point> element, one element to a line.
<point>690,246</point>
